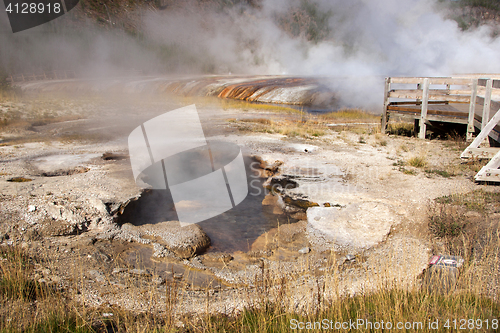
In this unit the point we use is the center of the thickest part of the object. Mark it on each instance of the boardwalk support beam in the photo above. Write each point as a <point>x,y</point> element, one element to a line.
<point>472,110</point>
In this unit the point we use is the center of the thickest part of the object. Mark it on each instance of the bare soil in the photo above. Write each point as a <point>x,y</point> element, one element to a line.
<point>72,151</point>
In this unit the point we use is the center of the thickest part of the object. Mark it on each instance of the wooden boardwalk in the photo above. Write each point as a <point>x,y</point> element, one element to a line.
<point>470,100</point>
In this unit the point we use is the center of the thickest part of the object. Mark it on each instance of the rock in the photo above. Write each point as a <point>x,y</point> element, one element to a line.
<point>139,272</point>
<point>96,275</point>
<point>280,184</point>
<point>304,250</point>
<point>195,263</point>
<point>358,226</point>
<point>288,232</point>
<point>350,257</point>
<point>160,251</point>
<point>62,213</point>
<point>299,216</point>
<point>98,205</point>
<point>300,202</point>
<point>217,257</point>
<point>119,270</point>
<point>158,280</point>
<point>86,241</point>
<point>185,242</point>
<point>270,200</point>
<point>57,228</point>
<point>31,208</point>
<point>101,256</point>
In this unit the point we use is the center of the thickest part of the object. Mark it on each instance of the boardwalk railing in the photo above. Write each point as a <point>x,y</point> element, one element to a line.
<point>443,99</point>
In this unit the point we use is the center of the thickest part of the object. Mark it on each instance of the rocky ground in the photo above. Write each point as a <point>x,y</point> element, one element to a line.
<point>328,214</point>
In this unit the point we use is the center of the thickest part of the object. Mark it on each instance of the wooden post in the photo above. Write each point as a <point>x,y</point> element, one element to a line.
<point>448,87</point>
<point>386,104</point>
<point>472,110</point>
<point>423,114</point>
<point>487,103</point>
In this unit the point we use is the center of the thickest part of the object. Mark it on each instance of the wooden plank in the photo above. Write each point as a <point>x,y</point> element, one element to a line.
<point>406,80</point>
<point>487,152</point>
<point>487,102</point>
<point>418,103</point>
<point>472,111</point>
<point>445,119</point>
<point>438,118</point>
<point>423,114</point>
<point>494,134</point>
<point>433,80</point>
<point>483,134</point>
<point>448,80</point>
<point>490,171</point>
<point>434,111</point>
<point>433,95</point>
<point>488,175</point>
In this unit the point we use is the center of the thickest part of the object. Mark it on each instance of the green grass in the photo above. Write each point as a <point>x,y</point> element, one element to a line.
<point>478,200</point>
<point>442,173</point>
<point>408,171</point>
<point>446,222</point>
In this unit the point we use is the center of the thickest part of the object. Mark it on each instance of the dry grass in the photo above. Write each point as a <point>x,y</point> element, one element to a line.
<point>288,127</point>
<point>350,114</point>
<point>34,306</point>
<point>417,161</point>
<point>401,128</point>
<point>9,95</point>
<point>305,125</point>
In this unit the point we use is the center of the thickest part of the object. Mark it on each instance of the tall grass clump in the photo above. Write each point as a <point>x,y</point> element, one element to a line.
<point>401,128</point>
<point>417,161</point>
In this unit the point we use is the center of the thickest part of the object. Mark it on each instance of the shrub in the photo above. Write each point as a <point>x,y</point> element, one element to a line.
<point>445,221</point>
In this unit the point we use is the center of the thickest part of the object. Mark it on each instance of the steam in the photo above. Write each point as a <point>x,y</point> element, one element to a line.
<point>360,39</point>
<point>363,38</point>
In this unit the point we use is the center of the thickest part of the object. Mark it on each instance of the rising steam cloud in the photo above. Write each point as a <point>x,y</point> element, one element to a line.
<point>362,38</point>
<point>357,38</point>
